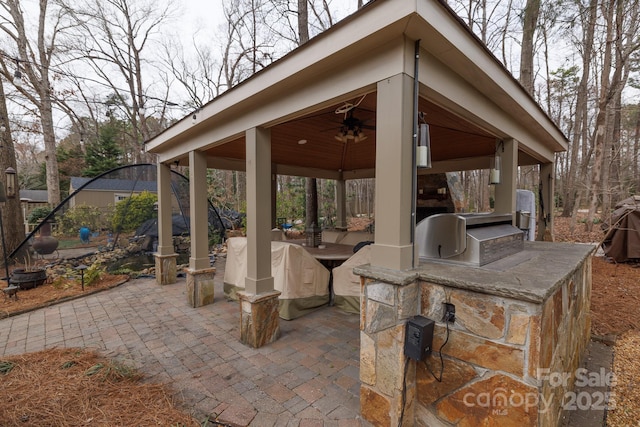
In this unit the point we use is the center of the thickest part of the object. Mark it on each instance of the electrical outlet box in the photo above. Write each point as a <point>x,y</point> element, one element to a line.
<point>449,312</point>
<point>418,337</point>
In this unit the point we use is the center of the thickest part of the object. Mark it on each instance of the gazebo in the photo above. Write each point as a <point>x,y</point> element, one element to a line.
<point>386,69</point>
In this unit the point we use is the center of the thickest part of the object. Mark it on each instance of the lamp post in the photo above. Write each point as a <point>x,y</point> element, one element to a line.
<point>4,245</point>
<point>10,193</point>
<point>82,268</point>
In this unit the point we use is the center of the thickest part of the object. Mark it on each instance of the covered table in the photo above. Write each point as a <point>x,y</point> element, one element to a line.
<point>346,285</point>
<point>302,280</point>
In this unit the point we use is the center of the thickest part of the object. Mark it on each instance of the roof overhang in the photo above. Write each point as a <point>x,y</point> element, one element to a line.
<point>469,98</point>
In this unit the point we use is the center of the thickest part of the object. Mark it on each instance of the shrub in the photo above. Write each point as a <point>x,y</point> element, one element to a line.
<point>133,211</point>
<point>83,215</point>
<point>93,274</point>
<point>38,214</point>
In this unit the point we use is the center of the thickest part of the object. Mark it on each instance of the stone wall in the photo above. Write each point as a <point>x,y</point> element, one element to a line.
<point>499,354</point>
<point>386,395</point>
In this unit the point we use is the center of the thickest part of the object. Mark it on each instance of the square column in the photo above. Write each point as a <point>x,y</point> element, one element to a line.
<point>259,277</point>
<point>199,274</point>
<point>547,184</point>
<point>165,257</point>
<point>505,192</point>
<point>259,321</point>
<point>393,248</point>
<point>199,211</point>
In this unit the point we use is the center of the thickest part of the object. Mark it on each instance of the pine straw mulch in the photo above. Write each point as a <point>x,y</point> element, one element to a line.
<point>75,387</point>
<point>613,285</point>
<point>54,292</point>
<point>615,305</point>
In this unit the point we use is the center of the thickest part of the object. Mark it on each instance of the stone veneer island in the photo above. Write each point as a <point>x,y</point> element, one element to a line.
<point>519,321</point>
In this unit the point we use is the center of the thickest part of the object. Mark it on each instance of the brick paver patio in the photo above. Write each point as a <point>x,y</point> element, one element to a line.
<point>309,377</point>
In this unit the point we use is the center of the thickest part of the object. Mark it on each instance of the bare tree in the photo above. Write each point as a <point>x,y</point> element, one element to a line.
<point>34,59</point>
<point>621,42</point>
<point>113,38</point>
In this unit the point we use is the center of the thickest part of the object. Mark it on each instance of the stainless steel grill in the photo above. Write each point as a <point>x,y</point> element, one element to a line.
<point>472,239</point>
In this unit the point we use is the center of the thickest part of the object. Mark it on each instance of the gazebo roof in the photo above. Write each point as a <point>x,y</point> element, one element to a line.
<point>468,97</point>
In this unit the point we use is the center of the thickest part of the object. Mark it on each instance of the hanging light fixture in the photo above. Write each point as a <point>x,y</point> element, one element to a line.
<point>17,76</point>
<point>351,129</point>
<point>359,135</point>
<point>495,167</point>
<point>423,150</point>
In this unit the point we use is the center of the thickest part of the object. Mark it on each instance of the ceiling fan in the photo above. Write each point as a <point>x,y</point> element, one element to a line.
<point>352,128</point>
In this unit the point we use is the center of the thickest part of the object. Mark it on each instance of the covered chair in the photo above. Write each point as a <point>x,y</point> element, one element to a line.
<point>346,285</point>
<point>622,239</point>
<point>302,280</point>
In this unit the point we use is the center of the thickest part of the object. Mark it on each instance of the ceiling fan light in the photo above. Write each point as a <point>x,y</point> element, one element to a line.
<point>360,137</point>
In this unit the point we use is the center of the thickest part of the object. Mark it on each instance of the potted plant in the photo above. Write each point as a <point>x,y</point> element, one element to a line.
<point>28,277</point>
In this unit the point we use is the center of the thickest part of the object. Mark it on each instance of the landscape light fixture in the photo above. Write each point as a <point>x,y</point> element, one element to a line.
<point>495,167</point>
<point>82,268</point>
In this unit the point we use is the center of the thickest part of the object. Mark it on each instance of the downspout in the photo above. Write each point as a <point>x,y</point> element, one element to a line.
<point>414,168</point>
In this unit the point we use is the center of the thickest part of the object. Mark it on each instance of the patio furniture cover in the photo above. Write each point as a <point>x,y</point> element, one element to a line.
<point>622,241</point>
<point>346,285</point>
<point>303,280</point>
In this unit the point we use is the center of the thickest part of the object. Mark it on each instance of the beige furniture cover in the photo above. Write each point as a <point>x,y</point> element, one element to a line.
<point>303,281</point>
<point>346,237</point>
<point>346,285</point>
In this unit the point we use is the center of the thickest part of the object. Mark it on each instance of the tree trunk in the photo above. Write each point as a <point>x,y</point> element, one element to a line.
<point>303,21</point>
<point>48,133</point>
<point>311,203</point>
<point>531,12</point>
<point>12,219</point>
<point>636,151</point>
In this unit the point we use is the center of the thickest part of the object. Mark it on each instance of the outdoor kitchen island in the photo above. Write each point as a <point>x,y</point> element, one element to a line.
<point>521,327</point>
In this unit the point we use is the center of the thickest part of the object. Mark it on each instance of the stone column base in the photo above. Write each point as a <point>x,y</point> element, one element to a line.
<point>200,286</point>
<point>259,318</point>
<point>166,269</point>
